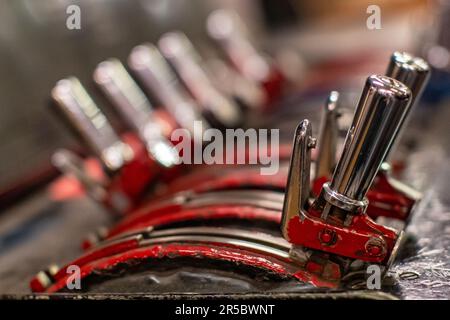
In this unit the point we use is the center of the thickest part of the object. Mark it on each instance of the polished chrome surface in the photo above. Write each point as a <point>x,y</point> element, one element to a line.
<point>123,92</point>
<point>227,29</point>
<point>90,123</point>
<point>156,75</point>
<point>412,71</point>
<point>180,52</point>
<point>298,184</point>
<point>339,200</point>
<point>329,130</point>
<point>378,117</point>
<point>134,107</point>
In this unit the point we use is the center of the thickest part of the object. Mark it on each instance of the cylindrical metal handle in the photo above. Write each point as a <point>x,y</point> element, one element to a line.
<point>326,158</point>
<point>379,114</point>
<point>228,30</point>
<point>90,123</point>
<point>180,52</point>
<point>156,75</point>
<point>123,92</point>
<point>412,71</point>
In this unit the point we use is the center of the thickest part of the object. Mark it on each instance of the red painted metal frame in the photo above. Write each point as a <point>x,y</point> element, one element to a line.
<point>166,215</point>
<point>137,175</point>
<point>384,199</point>
<point>363,239</point>
<point>108,257</point>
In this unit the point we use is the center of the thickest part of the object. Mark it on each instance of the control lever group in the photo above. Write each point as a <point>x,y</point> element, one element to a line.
<point>336,222</point>
<point>315,230</point>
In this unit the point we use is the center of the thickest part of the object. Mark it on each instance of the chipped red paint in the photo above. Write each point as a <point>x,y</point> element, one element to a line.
<point>352,241</point>
<point>194,250</point>
<point>99,253</point>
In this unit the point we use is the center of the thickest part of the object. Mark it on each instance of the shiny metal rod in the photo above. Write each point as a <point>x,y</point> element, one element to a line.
<point>180,52</point>
<point>124,93</point>
<point>378,117</point>
<point>156,75</point>
<point>90,123</point>
<point>327,142</point>
<point>134,107</point>
<point>412,71</point>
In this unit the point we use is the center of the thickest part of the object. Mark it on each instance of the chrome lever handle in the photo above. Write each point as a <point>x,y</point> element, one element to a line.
<point>180,52</point>
<point>378,117</point>
<point>123,92</point>
<point>328,133</point>
<point>155,73</point>
<point>227,29</point>
<point>90,123</point>
<point>412,71</point>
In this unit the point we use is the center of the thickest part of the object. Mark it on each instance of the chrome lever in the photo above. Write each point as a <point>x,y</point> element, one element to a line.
<point>180,52</point>
<point>157,77</point>
<point>298,184</point>
<point>378,117</point>
<point>90,123</point>
<point>227,29</point>
<point>126,96</point>
<point>327,142</point>
<point>412,71</point>
<point>123,92</point>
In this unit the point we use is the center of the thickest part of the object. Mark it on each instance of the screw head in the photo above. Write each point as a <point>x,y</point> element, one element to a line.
<point>327,236</point>
<point>375,247</point>
<point>374,250</point>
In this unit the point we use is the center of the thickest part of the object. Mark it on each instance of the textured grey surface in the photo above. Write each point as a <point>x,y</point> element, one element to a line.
<point>423,270</point>
<point>39,233</point>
